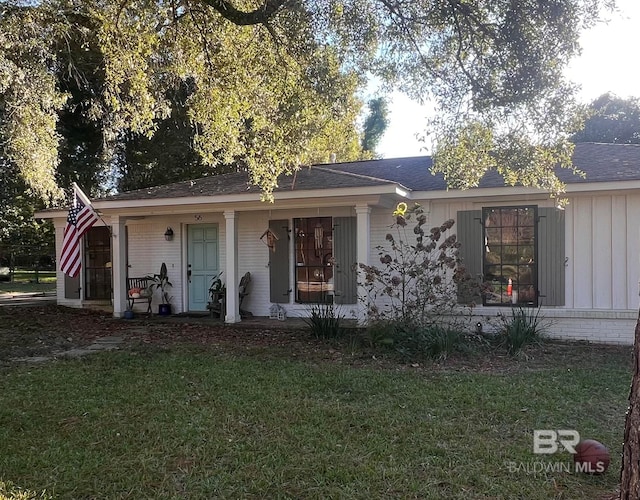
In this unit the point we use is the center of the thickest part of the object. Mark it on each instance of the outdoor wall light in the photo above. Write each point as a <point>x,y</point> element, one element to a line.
<point>168,234</point>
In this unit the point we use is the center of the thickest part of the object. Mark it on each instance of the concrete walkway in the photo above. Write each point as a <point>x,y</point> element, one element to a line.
<point>27,299</point>
<point>101,344</point>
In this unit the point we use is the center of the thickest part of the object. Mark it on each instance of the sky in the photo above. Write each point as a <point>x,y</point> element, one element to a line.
<point>607,64</point>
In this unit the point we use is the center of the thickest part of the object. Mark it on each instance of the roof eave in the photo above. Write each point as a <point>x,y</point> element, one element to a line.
<point>246,201</point>
<point>582,187</point>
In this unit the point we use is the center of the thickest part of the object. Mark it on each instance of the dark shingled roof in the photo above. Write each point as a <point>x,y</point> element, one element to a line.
<point>605,163</point>
<point>238,183</point>
<point>600,163</point>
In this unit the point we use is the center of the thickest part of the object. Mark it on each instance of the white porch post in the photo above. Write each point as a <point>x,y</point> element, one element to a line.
<point>231,267</point>
<point>119,265</point>
<point>363,243</point>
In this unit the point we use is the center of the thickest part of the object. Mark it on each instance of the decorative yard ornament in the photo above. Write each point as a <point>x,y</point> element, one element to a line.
<point>318,237</point>
<point>400,210</point>
<point>269,238</point>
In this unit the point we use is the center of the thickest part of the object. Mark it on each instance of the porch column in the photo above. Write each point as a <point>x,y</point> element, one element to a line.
<point>231,267</point>
<point>363,244</point>
<point>119,265</point>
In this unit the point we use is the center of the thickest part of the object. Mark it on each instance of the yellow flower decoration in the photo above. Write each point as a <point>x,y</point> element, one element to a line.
<point>400,209</point>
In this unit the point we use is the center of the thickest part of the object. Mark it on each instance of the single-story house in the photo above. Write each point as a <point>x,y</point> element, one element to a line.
<point>580,264</point>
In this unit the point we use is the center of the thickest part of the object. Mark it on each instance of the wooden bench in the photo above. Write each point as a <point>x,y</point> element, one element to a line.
<point>138,290</point>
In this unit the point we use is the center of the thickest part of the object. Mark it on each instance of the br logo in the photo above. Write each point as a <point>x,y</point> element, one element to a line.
<point>545,441</point>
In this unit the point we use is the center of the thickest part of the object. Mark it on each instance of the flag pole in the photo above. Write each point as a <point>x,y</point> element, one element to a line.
<point>85,199</point>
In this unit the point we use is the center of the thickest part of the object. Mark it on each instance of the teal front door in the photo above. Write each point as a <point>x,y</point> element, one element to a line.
<point>203,263</point>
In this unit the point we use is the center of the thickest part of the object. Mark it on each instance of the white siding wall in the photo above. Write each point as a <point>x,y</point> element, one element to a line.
<point>147,250</point>
<point>380,222</point>
<point>253,257</point>
<point>602,250</point>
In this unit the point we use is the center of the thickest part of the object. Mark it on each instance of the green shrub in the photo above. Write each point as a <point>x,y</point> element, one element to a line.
<point>524,327</point>
<point>325,321</point>
<point>429,342</point>
<point>432,342</point>
<point>379,334</point>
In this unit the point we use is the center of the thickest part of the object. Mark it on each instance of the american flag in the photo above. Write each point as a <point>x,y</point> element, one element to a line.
<point>80,218</point>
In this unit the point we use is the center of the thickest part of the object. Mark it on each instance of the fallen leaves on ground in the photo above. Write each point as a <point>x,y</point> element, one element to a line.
<point>45,329</point>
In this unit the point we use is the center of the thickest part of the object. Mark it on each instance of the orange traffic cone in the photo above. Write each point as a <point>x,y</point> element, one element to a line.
<point>509,287</point>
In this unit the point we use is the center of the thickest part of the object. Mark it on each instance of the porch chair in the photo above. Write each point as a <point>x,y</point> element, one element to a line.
<point>138,290</point>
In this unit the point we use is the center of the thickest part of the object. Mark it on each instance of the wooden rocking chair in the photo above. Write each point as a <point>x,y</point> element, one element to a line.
<point>243,291</point>
<point>217,304</point>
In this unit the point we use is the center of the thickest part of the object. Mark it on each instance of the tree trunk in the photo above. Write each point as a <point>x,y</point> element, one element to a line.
<point>630,471</point>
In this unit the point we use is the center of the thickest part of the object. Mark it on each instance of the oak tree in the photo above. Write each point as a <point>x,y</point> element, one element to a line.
<point>275,80</point>
<point>612,120</point>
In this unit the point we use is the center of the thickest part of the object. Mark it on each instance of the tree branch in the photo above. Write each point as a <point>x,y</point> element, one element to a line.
<point>261,15</point>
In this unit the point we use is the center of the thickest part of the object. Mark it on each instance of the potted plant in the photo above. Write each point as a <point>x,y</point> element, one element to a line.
<point>129,314</point>
<point>161,282</point>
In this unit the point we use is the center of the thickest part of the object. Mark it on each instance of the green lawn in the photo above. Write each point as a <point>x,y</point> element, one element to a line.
<point>202,423</point>
<point>24,281</point>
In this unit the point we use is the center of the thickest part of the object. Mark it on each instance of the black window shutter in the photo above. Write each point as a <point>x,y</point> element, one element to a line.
<point>469,234</point>
<point>345,256</point>
<point>551,256</point>
<point>279,262</point>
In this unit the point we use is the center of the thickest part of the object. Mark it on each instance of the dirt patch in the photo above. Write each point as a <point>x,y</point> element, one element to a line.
<point>42,330</point>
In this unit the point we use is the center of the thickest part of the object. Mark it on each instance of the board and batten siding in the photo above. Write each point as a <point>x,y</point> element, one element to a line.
<point>602,247</point>
<point>603,252</point>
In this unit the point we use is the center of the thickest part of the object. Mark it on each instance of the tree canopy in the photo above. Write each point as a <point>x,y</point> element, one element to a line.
<point>375,124</point>
<point>611,120</point>
<point>273,82</point>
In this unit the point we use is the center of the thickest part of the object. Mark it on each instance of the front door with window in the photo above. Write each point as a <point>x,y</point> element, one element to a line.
<point>325,260</point>
<point>203,263</point>
<point>314,259</point>
<point>97,259</point>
